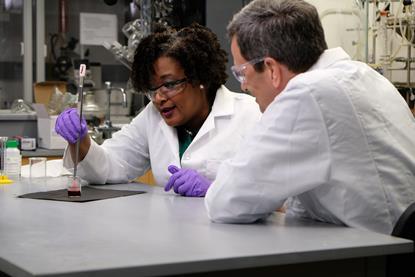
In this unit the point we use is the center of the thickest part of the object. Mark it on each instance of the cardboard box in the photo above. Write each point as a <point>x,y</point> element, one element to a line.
<point>47,137</point>
<point>44,90</point>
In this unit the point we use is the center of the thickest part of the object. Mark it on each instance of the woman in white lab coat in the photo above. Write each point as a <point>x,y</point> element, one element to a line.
<point>192,121</point>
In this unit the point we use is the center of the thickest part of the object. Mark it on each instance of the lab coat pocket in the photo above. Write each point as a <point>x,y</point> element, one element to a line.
<point>212,167</point>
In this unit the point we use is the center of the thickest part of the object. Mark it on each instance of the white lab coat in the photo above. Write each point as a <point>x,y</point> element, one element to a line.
<point>149,143</point>
<point>339,142</point>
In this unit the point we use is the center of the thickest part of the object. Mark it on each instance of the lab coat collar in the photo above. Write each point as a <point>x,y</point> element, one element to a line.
<point>222,106</point>
<point>329,57</point>
<point>170,134</point>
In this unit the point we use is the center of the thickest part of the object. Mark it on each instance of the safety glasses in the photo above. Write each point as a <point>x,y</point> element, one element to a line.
<point>238,70</point>
<point>168,89</point>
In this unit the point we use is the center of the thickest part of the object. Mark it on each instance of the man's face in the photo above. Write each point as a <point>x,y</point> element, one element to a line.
<point>257,83</point>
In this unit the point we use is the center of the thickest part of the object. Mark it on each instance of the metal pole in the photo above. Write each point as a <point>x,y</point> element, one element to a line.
<point>40,40</point>
<point>367,32</point>
<point>27,52</point>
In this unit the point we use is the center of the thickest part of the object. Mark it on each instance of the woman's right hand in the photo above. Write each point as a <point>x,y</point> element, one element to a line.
<point>70,127</point>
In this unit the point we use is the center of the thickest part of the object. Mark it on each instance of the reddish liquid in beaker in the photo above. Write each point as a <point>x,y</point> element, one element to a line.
<point>74,190</point>
<point>74,193</point>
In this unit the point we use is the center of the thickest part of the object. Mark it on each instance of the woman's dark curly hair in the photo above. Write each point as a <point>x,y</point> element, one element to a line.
<point>195,48</point>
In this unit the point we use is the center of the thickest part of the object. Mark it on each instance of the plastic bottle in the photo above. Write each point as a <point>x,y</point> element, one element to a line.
<point>13,160</point>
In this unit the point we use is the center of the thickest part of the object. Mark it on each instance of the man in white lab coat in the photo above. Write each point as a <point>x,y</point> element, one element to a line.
<point>336,138</point>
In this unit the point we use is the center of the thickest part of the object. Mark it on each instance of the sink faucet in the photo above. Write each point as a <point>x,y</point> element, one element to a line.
<point>107,129</point>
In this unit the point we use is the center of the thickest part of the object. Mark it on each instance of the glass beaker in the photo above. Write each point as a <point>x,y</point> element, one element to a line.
<point>37,167</point>
<point>74,186</point>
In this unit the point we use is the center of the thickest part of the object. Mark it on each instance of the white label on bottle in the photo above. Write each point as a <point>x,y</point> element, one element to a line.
<point>13,165</point>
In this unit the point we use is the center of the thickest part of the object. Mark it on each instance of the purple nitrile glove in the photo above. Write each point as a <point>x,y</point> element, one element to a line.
<point>187,182</point>
<point>68,126</point>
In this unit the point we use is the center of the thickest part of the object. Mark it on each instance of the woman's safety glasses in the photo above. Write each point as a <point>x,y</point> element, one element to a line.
<point>238,70</point>
<point>168,89</point>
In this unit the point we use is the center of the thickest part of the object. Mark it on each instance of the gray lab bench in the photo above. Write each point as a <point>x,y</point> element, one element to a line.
<point>159,233</point>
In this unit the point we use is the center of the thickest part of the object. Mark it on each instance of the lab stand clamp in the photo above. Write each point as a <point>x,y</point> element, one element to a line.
<point>149,11</point>
<point>108,129</point>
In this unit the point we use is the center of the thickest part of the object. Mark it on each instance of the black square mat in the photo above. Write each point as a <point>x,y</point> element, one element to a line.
<point>88,194</point>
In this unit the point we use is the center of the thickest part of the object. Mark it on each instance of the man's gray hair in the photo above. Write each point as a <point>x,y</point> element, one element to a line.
<point>289,31</point>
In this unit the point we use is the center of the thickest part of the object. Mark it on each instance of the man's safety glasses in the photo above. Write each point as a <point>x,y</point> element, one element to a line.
<point>168,89</point>
<point>238,70</point>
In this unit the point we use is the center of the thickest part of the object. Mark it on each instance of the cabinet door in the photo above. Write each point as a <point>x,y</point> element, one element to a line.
<point>11,59</point>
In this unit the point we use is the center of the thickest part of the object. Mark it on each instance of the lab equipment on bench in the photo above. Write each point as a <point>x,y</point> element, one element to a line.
<point>107,129</point>
<point>13,160</point>
<point>37,167</point>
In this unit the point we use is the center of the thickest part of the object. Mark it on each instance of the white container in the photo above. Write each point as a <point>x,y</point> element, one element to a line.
<point>47,137</point>
<point>28,143</point>
<point>13,160</point>
<point>37,167</point>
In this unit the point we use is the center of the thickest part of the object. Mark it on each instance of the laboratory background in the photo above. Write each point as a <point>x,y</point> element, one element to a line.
<point>43,44</point>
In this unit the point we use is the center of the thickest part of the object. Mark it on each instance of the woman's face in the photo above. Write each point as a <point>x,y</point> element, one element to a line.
<point>189,107</point>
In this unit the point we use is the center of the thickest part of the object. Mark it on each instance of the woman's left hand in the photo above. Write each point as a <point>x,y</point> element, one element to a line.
<point>187,182</point>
